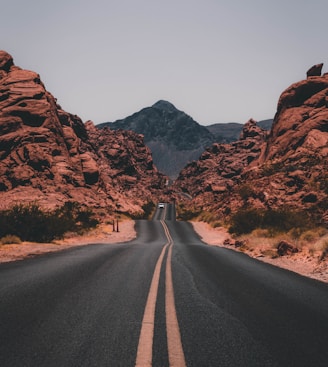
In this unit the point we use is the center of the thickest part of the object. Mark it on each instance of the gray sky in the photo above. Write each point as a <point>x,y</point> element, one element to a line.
<point>217,60</point>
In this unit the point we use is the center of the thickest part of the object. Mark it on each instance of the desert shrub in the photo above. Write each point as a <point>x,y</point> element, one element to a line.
<point>187,213</point>
<point>296,233</point>
<point>148,209</point>
<point>324,250</point>
<point>285,220</point>
<point>261,232</point>
<point>246,220</point>
<point>207,217</point>
<point>9,239</point>
<point>30,223</point>
<point>216,224</point>
<point>309,236</point>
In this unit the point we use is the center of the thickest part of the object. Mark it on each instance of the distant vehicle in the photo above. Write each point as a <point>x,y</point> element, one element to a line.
<point>161,206</point>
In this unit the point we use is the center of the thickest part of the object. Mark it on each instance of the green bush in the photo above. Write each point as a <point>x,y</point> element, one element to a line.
<point>30,223</point>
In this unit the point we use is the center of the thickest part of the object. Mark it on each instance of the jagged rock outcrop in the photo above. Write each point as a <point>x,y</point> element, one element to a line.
<point>219,168</point>
<point>125,162</point>
<point>315,70</point>
<point>291,170</point>
<point>48,155</point>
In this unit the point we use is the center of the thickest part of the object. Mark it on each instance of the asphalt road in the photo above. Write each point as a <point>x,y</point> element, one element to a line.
<point>110,305</point>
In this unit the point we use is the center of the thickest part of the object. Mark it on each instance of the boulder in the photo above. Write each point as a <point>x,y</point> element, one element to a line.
<point>315,70</point>
<point>286,248</point>
<point>6,61</point>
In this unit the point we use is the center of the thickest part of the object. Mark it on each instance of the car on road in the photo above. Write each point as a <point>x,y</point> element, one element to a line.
<point>161,206</point>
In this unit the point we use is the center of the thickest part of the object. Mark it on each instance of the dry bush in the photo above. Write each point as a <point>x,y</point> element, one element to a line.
<point>31,223</point>
<point>10,239</point>
<point>324,248</point>
<point>280,220</point>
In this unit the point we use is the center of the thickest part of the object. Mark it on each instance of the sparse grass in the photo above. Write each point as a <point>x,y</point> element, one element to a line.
<point>313,242</point>
<point>261,242</point>
<point>9,240</point>
<point>324,249</point>
<point>207,217</point>
<point>313,235</point>
<point>216,224</point>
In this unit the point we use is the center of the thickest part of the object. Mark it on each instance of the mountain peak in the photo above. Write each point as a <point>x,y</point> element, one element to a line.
<point>164,105</point>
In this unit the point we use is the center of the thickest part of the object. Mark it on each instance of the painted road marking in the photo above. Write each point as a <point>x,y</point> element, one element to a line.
<point>164,212</point>
<point>174,344</point>
<point>145,346</point>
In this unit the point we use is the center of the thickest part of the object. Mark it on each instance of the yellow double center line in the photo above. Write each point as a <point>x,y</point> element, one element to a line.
<point>145,346</point>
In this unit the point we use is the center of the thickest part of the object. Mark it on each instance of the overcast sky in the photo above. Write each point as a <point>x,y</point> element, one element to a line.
<point>217,60</point>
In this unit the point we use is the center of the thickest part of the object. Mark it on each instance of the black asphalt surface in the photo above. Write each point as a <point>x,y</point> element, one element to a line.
<point>84,306</point>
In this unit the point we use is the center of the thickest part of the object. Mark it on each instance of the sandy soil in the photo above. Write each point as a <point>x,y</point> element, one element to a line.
<point>103,234</point>
<point>303,262</point>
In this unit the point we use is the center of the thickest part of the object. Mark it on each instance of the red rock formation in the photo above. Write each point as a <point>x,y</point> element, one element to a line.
<point>315,70</point>
<point>125,163</point>
<point>292,168</point>
<point>211,179</point>
<point>290,172</point>
<point>48,155</point>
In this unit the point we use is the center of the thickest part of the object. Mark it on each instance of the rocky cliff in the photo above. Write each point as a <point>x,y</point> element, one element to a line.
<point>285,169</point>
<point>50,156</point>
<point>211,179</point>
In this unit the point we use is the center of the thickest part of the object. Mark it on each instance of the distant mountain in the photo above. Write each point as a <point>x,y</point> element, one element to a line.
<point>174,138</point>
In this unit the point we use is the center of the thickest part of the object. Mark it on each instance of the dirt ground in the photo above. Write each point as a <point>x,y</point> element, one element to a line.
<point>303,262</point>
<point>103,234</point>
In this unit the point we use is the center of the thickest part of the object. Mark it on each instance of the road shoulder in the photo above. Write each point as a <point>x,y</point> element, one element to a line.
<point>302,263</point>
<point>103,234</point>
